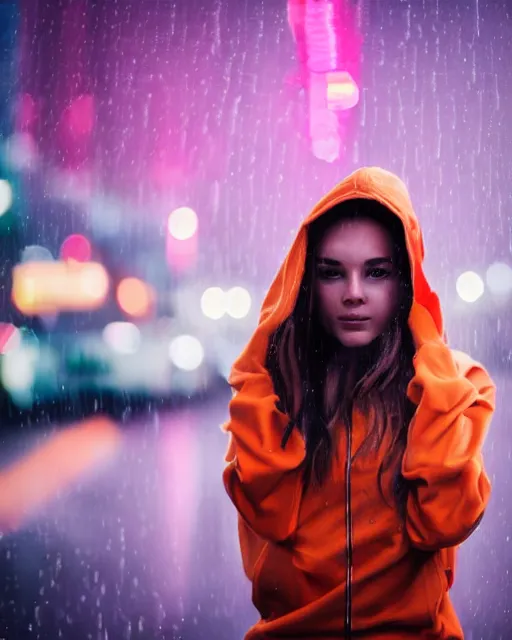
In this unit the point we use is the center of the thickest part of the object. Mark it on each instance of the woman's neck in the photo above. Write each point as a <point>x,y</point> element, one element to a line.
<point>353,363</point>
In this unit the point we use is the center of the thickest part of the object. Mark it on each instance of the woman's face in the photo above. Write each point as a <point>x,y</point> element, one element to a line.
<point>357,285</point>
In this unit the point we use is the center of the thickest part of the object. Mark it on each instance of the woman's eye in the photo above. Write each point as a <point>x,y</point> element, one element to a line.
<point>328,274</point>
<point>378,273</point>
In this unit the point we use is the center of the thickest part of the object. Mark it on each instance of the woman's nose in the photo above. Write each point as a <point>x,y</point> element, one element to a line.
<point>354,290</point>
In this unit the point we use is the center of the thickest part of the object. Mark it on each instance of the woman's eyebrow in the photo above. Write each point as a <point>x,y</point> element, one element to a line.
<point>328,261</point>
<point>372,262</point>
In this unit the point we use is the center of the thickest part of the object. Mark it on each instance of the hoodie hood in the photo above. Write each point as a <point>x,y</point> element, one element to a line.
<point>372,183</point>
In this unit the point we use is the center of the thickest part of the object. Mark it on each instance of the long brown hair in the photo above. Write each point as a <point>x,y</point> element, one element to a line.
<point>319,383</point>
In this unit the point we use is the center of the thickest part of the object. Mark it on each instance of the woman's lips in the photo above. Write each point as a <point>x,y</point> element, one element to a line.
<point>353,323</point>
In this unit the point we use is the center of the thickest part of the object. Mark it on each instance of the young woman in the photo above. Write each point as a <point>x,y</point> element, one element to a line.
<point>355,432</point>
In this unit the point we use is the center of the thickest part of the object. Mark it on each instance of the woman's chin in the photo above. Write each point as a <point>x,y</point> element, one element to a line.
<point>355,339</point>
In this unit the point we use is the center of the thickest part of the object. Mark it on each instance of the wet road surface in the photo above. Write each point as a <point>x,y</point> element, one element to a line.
<point>137,540</point>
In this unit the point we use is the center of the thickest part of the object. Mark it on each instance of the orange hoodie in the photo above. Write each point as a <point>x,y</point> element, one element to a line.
<point>340,561</point>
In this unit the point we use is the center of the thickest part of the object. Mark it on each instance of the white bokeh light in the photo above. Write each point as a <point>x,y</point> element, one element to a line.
<point>18,369</point>
<point>122,337</point>
<point>182,223</point>
<point>36,253</point>
<point>238,302</point>
<point>470,286</point>
<point>499,279</point>
<point>213,303</point>
<point>6,196</point>
<point>186,352</point>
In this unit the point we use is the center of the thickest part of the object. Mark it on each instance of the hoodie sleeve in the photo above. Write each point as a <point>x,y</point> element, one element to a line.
<point>263,481</point>
<point>443,458</point>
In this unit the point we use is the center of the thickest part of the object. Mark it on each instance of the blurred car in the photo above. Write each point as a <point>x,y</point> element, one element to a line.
<point>157,360</point>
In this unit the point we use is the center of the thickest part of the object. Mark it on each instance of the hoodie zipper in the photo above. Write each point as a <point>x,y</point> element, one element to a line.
<point>348,524</point>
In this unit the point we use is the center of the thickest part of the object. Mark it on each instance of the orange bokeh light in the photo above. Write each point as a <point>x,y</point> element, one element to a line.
<point>135,297</point>
<point>51,287</point>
